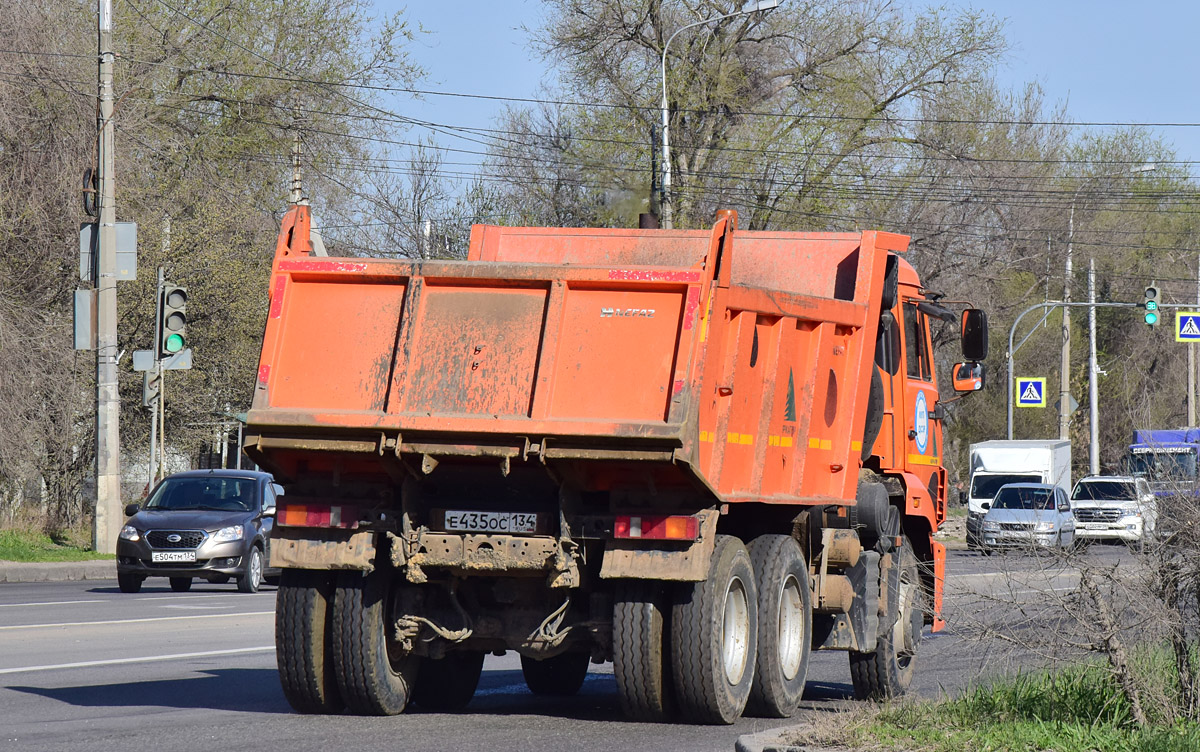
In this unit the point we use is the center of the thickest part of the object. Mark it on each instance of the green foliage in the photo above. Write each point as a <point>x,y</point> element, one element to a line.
<point>22,545</point>
<point>1079,709</point>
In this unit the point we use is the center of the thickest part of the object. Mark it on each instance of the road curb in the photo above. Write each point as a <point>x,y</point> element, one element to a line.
<point>773,740</point>
<point>57,571</point>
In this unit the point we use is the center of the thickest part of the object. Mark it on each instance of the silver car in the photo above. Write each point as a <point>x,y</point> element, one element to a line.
<point>1115,507</point>
<point>1025,515</point>
<point>208,524</point>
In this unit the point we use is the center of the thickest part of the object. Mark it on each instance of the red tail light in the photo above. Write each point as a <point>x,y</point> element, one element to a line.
<point>674,527</point>
<point>317,515</point>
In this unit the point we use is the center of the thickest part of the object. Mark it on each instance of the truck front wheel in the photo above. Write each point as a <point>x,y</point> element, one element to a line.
<point>714,637</point>
<point>887,672</point>
<point>302,641</point>
<point>375,673</point>
<point>784,626</point>
<point>640,656</point>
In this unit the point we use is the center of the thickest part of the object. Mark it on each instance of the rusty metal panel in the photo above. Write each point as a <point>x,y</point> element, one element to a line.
<point>336,344</point>
<point>485,553</point>
<point>296,549</point>
<point>474,350</point>
<point>616,354</point>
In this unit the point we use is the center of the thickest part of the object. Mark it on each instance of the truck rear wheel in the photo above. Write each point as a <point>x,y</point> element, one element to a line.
<point>375,673</point>
<point>302,641</point>
<point>641,661</point>
<point>448,684</point>
<point>887,672</point>
<point>560,676</point>
<point>714,636</point>
<point>784,626</point>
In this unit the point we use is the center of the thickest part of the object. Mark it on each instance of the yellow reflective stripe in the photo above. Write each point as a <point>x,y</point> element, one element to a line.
<point>779,441</point>
<point>920,459</point>
<point>816,443</point>
<point>856,446</point>
<point>707,436</point>
<point>739,438</point>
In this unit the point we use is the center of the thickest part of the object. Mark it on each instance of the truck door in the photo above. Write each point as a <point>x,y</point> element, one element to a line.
<point>924,444</point>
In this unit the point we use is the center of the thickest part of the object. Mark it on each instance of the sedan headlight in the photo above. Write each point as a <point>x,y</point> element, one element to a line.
<point>991,527</point>
<point>227,534</point>
<point>130,533</point>
<point>1044,527</point>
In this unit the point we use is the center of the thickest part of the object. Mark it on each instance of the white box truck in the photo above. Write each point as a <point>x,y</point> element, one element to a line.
<point>996,463</point>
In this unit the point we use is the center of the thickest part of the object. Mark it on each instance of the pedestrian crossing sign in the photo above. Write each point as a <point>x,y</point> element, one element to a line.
<point>1187,326</point>
<point>1031,392</point>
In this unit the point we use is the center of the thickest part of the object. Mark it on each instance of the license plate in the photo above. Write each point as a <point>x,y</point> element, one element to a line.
<point>167,557</point>
<point>491,522</point>
<point>1093,525</point>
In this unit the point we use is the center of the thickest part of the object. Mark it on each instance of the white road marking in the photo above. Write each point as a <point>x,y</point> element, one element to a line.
<point>46,603</point>
<point>133,621</point>
<point>145,659</point>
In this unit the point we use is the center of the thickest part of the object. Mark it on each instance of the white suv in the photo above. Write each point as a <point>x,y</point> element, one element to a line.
<point>1116,507</point>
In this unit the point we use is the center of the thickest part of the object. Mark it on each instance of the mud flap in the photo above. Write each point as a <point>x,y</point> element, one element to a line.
<point>684,561</point>
<point>335,549</point>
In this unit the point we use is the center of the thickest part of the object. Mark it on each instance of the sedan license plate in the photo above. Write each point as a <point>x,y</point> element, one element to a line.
<point>167,557</point>
<point>491,522</point>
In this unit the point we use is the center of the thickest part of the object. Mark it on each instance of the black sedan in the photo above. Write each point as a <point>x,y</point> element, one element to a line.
<point>211,524</point>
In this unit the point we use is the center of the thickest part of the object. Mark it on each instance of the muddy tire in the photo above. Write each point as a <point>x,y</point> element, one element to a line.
<point>641,659</point>
<point>447,684</point>
<point>374,674</point>
<point>560,676</point>
<point>887,672</point>
<point>784,626</point>
<point>129,583</point>
<point>303,620</point>
<point>714,635</point>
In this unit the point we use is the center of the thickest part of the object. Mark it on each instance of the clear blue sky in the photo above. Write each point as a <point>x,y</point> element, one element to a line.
<point>1110,61</point>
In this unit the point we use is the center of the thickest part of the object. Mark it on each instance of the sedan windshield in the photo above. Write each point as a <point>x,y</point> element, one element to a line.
<point>1104,490</point>
<point>225,494</point>
<point>1024,498</point>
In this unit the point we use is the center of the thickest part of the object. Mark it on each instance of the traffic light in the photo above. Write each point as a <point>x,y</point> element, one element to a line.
<point>1151,306</point>
<point>172,328</point>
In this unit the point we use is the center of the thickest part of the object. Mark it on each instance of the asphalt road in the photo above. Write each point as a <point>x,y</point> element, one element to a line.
<point>84,667</point>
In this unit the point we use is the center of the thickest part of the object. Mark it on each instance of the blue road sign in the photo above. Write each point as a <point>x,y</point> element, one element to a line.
<point>1031,392</point>
<point>1187,326</point>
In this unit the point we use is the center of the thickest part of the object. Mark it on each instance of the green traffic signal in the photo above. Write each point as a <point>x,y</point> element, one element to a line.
<point>172,325</point>
<point>1151,305</point>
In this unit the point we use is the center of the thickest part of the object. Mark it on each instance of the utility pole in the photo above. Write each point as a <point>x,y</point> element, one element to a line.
<point>1064,390</point>
<point>108,404</point>
<point>1093,375</point>
<point>1191,398</point>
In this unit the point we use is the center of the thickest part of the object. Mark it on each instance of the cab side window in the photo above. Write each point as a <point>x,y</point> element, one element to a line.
<point>916,346</point>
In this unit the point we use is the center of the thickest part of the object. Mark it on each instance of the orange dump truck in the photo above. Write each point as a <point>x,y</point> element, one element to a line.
<point>696,454</point>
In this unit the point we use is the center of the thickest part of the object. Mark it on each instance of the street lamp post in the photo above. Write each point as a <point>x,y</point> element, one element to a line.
<point>1093,367</point>
<point>668,210</point>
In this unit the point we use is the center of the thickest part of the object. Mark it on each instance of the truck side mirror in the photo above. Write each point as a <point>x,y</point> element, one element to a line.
<point>974,334</point>
<point>968,377</point>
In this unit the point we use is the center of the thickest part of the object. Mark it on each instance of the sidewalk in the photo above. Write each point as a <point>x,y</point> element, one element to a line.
<point>58,571</point>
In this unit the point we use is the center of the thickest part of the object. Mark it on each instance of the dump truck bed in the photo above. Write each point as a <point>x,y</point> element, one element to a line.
<point>736,363</point>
